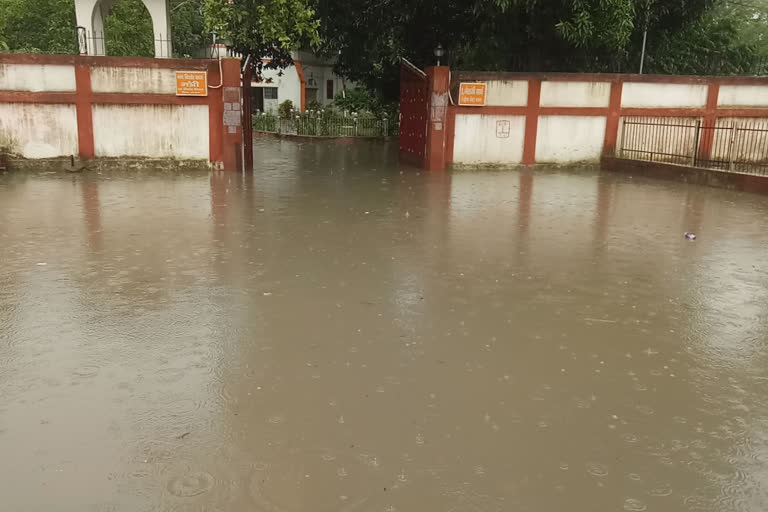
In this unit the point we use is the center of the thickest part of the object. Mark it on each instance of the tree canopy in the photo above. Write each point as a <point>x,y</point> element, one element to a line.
<point>368,36</point>
<point>37,26</point>
<point>48,26</point>
<point>266,29</point>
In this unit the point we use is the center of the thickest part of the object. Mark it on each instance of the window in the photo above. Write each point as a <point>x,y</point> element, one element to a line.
<point>270,93</point>
<point>329,89</point>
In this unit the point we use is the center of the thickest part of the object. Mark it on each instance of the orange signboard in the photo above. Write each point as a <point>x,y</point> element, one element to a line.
<point>472,94</point>
<point>191,83</point>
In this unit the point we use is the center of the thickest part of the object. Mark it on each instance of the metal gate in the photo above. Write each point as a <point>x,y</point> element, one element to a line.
<point>414,91</point>
<point>727,145</point>
<point>247,76</point>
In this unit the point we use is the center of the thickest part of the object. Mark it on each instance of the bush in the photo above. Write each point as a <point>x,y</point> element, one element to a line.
<point>357,100</point>
<point>285,109</point>
<point>265,123</point>
<point>314,105</point>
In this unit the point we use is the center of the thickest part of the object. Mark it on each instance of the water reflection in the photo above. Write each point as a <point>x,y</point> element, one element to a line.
<point>339,332</point>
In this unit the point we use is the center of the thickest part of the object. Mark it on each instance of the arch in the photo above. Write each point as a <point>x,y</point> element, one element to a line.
<point>91,14</point>
<point>129,31</point>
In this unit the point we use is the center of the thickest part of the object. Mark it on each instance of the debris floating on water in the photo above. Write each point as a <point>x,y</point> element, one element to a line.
<point>690,236</point>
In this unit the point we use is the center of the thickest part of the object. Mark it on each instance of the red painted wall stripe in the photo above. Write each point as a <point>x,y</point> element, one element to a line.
<point>37,97</point>
<point>573,111</point>
<point>662,112</point>
<point>303,83</point>
<point>531,121</point>
<point>117,98</point>
<point>493,110</point>
<point>459,76</point>
<point>84,111</point>
<point>612,121</point>
<point>710,118</point>
<point>103,61</point>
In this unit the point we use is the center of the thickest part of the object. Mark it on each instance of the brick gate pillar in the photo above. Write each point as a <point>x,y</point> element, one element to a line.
<point>232,115</point>
<point>439,83</point>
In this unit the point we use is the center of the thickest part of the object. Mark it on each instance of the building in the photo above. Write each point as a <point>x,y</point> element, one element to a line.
<point>310,79</point>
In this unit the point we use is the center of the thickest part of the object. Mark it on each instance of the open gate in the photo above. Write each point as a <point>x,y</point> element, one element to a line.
<point>414,91</point>
<point>247,76</point>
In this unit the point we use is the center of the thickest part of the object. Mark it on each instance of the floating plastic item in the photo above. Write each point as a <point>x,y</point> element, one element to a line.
<point>690,236</point>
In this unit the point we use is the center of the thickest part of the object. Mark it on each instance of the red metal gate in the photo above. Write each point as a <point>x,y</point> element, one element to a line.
<point>414,91</point>
<point>247,76</point>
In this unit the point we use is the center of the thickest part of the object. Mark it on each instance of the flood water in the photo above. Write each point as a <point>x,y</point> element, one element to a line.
<point>341,333</point>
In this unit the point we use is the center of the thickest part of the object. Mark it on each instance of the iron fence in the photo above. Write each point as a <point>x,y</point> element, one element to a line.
<point>733,145</point>
<point>320,125</point>
<point>95,43</point>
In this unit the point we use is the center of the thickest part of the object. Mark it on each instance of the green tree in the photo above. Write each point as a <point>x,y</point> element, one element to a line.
<point>188,28</point>
<point>751,22</point>
<point>128,30</point>
<point>38,26</point>
<point>709,45</point>
<point>368,37</point>
<point>48,26</point>
<point>265,29</point>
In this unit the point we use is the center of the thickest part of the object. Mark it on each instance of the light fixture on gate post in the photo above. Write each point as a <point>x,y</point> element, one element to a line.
<point>214,46</point>
<point>439,52</point>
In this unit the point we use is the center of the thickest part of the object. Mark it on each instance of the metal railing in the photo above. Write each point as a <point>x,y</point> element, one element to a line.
<point>729,145</point>
<point>95,43</point>
<point>322,125</point>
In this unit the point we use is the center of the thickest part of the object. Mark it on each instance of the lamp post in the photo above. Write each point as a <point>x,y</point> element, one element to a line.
<point>214,46</point>
<point>439,52</point>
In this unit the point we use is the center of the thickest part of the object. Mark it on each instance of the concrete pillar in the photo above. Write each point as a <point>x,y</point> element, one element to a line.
<point>97,43</point>
<point>91,14</point>
<point>161,25</point>
<point>232,133</point>
<point>84,18</point>
<point>438,78</point>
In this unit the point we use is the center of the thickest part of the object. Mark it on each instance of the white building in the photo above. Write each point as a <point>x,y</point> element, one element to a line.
<point>309,79</point>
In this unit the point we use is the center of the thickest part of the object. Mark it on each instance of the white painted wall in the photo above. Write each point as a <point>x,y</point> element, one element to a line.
<point>743,96</point>
<point>38,131</point>
<point>37,77</point>
<point>477,141</point>
<point>640,94</point>
<point>319,75</point>
<point>133,80</point>
<point>506,93</point>
<point>575,94</point>
<point>155,131</point>
<point>565,139</point>
<point>288,86</point>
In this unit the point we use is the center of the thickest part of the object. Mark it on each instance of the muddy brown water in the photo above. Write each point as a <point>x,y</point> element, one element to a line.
<point>340,333</point>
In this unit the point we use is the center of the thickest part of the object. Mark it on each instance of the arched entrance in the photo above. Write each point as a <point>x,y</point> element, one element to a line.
<point>92,13</point>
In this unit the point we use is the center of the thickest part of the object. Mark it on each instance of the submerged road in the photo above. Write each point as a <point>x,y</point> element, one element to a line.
<point>339,333</point>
